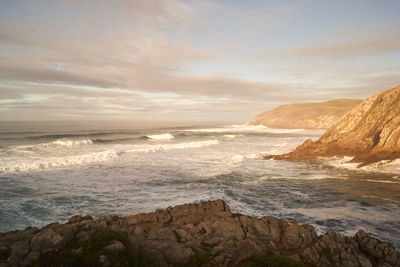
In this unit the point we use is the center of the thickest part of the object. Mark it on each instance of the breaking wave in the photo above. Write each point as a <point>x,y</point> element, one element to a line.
<point>58,162</point>
<point>155,148</point>
<point>57,143</point>
<point>166,136</point>
<point>44,163</point>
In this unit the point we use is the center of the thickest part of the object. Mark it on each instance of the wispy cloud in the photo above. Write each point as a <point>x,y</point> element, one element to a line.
<point>138,59</point>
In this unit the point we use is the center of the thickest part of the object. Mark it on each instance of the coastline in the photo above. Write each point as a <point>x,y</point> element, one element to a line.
<point>205,233</point>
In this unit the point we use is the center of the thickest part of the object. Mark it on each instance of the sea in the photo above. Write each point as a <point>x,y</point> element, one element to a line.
<point>50,171</point>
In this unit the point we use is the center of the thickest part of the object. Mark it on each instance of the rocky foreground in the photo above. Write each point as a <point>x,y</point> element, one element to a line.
<point>369,133</point>
<point>202,234</point>
<point>305,115</point>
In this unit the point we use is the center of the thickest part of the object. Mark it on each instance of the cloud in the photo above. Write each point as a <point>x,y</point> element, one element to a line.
<point>350,48</point>
<point>138,59</point>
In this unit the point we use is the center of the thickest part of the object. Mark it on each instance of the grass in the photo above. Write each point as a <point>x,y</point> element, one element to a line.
<point>92,249</point>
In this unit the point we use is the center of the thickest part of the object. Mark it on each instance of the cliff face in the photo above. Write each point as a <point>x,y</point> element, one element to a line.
<point>202,234</point>
<point>369,133</point>
<point>305,115</point>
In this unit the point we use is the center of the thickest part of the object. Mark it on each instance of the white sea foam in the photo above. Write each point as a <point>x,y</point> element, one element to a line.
<point>311,177</point>
<point>237,159</point>
<point>56,143</point>
<point>44,163</point>
<point>246,128</point>
<point>383,181</point>
<point>231,136</point>
<point>155,148</point>
<point>58,162</point>
<point>69,143</point>
<point>166,136</point>
<point>382,198</point>
<point>383,166</point>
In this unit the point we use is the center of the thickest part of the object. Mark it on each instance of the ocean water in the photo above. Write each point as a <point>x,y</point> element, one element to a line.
<point>51,171</point>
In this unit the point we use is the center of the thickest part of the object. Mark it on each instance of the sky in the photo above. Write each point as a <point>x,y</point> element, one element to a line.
<point>171,60</point>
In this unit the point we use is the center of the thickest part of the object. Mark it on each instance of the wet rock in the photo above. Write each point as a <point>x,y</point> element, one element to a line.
<point>77,219</point>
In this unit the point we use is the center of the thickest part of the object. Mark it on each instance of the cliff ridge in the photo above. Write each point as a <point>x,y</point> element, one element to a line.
<point>305,115</point>
<point>369,133</point>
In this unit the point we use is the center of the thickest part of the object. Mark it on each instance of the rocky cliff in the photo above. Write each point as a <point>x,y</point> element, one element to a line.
<point>369,133</point>
<point>202,234</point>
<point>305,115</point>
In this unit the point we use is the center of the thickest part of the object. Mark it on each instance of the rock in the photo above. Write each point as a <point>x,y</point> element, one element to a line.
<point>200,234</point>
<point>47,239</point>
<point>305,115</point>
<point>77,219</point>
<point>297,236</point>
<point>364,261</point>
<point>245,250</point>
<point>115,245</point>
<point>178,254</point>
<point>369,133</point>
<point>163,234</point>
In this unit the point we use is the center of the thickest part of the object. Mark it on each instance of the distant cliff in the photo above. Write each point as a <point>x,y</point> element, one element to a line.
<point>306,115</point>
<point>201,234</point>
<point>369,133</point>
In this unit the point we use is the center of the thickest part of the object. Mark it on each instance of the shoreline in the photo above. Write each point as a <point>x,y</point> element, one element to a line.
<point>201,233</point>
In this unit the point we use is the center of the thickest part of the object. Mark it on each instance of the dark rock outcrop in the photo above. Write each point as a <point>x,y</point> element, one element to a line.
<point>305,115</point>
<point>369,133</point>
<point>202,234</point>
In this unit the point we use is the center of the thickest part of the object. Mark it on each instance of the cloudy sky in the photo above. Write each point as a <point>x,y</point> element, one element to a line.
<point>190,60</point>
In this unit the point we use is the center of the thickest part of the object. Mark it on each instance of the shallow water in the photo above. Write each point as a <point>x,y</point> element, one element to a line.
<point>52,172</point>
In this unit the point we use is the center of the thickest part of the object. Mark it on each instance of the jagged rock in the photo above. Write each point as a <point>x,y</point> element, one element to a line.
<point>77,219</point>
<point>297,236</point>
<point>369,133</point>
<point>205,234</point>
<point>47,239</point>
<point>305,115</point>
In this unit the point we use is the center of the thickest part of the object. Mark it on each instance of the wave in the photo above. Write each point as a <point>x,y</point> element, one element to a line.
<point>246,128</point>
<point>382,198</point>
<point>59,162</point>
<point>78,134</point>
<point>166,136</point>
<point>384,166</point>
<point>155,148</point>
<point>57,143</point>
<point>35,164</point>
<point>69,143</point>
<point>383,181</point>
<point>240,158</point>
<point>311,177</point>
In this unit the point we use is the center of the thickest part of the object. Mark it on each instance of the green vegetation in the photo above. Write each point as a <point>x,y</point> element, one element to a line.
<point>270,259</point>
<point>93,252</point>
<point>197,260</point>
<point>4,253</point>
<point>234,215</point>
<point>328,254</point>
